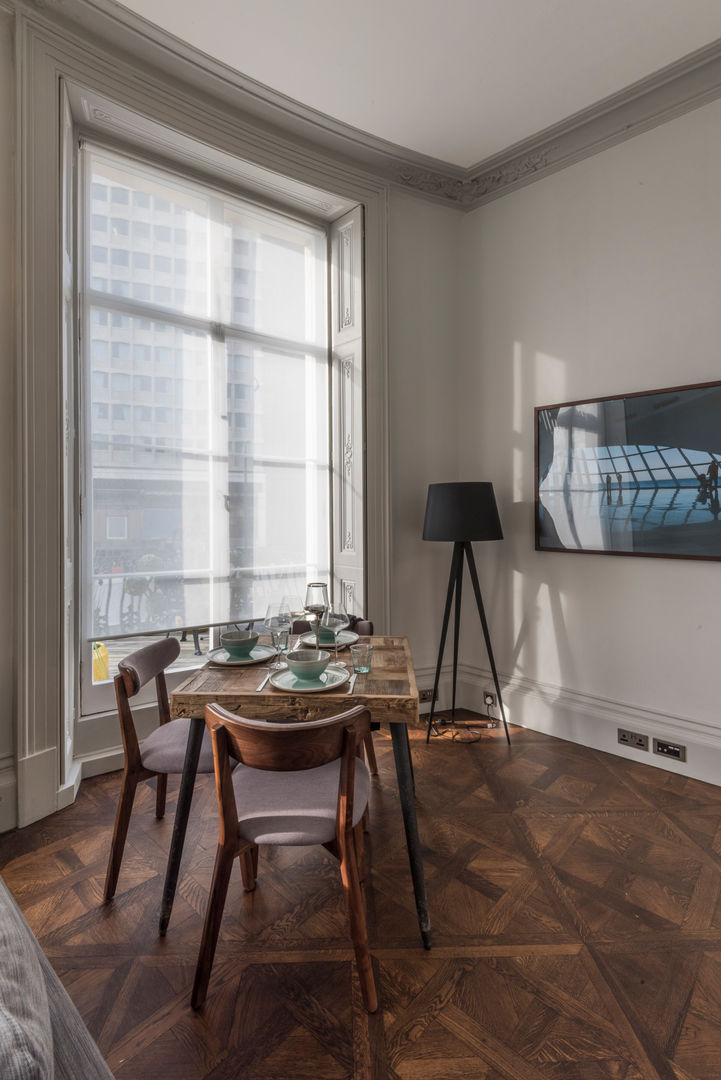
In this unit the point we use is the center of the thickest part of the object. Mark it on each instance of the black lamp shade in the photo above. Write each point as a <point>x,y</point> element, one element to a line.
<point>465,511</point>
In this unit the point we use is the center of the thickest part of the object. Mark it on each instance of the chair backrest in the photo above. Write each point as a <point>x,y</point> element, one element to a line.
<point>288,747</point>
<point>361,626</point>
<point>137,669</point>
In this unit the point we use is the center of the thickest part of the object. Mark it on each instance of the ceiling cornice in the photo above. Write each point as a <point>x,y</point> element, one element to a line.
<point>672,91</point>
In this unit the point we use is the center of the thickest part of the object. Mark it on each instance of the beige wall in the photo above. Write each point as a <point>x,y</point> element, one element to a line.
<point>7,412</point>
<point>601,279</point>
<point>423,339</point>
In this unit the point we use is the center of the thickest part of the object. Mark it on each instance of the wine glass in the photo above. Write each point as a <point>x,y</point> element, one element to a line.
<point>316,603</point>
<point>334,619</point>
<point>278,623</point>
<point>296,608</point>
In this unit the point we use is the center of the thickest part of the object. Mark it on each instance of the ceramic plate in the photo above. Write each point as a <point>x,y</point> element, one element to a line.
<point>258,653</point>
<point>345,638</point>
<point>331,679</point>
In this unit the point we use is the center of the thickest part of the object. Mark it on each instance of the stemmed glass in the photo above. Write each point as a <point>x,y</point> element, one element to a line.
<point>334,620</point>
<point>278,623</point>
<point>295,606</point>
<point>316,603</point>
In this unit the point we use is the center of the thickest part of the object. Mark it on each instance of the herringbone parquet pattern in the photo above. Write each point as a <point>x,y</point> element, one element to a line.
<point>576,907</point>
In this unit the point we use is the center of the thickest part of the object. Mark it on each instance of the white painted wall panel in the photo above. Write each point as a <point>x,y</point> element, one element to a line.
<point>601,279</point>
<point>424,348</point>
<point>7,414</point>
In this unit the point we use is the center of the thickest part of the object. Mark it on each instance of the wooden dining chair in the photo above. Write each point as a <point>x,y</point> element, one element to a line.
<point>296,784</point>
<point>364,628</point>
<point>161,753</point>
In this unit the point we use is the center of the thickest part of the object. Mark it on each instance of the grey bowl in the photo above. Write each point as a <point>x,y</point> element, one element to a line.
<point>309,664</point>
<point>239,643</point>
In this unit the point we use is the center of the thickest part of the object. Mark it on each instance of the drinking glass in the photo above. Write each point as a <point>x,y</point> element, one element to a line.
<point>361,656</point>
<point>278,623</point>
<point>316,603</point>
<point>334,619</point>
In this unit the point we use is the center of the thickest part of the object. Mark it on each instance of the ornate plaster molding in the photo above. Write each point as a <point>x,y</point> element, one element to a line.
<point>675,89</point>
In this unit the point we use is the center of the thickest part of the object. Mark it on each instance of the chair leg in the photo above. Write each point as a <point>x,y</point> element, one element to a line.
<point>248,860</point>
<point>370,754</point>
<point>160,794</point>
<point>213,916</point>
<point>359,844</point>
<point>358,928</point>
<point>120,832</point>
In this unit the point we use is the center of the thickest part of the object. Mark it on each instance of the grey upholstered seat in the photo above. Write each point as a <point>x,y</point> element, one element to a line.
<point>164,749</point>
<point>295,807</point>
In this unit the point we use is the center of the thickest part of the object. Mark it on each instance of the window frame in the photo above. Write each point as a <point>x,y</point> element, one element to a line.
<point>95,699</point>
<point>71,71</point>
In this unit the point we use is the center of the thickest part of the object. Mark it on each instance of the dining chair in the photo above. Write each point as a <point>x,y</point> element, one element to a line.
<point>161,753</point>
<point>295,784</point>
<point>364,628</point>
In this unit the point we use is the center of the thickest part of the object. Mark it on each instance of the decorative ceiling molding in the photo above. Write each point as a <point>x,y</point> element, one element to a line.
<point>672,91</point>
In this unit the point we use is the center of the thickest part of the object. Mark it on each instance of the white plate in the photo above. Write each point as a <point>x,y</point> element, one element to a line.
<point>331,679</point>
<point>345,637</point>
<point>258,653</point>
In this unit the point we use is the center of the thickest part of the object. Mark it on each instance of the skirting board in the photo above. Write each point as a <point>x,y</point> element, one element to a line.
<point>8,795</point>
<point>594,722</point>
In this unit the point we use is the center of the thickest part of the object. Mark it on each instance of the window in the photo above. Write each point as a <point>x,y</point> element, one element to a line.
<point>213,535</point>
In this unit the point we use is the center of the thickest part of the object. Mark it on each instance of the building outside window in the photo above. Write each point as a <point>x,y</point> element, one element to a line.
<point>217,311</point>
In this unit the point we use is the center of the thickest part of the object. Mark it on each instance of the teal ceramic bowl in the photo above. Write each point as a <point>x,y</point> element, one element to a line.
<point>309,664</point>
<point>239,643</point>
<point>326,637</point>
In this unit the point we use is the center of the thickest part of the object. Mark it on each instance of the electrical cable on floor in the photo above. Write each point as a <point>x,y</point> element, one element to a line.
<point>463,734</point>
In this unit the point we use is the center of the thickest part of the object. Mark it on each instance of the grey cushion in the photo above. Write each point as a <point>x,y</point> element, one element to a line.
<point>294,807</point>
<point>164,749</point>
<point>76,1054</point>
<point>26,1040</point>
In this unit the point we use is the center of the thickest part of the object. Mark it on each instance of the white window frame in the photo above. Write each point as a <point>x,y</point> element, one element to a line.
<point>102,57</point>
<point>96,700</point>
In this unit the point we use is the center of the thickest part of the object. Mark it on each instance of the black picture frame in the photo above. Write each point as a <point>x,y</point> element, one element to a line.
<point>631,474</point>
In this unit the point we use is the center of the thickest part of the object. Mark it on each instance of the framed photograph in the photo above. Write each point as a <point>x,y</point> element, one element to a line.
<point>631,475</point>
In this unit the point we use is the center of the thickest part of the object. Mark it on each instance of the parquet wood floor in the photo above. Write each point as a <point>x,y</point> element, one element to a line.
<point>576,908</point>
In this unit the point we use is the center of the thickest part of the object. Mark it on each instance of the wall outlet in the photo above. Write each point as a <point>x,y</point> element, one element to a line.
<point>425,695</point>
<point>669,749</point>
<point>489,698</point>
<point>633,738</point>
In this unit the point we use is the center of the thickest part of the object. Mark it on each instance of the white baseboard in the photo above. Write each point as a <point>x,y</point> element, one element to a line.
<point>593,721</point>
<point>37,776</point>
<point>8,794</point>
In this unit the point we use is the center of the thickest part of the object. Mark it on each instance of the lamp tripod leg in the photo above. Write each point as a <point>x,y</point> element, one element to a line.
<point>457,628</point>
<point>456,561</point>
<point>486,635</point>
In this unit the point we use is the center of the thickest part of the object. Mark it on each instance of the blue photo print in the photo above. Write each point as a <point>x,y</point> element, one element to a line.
<point>632,475</point>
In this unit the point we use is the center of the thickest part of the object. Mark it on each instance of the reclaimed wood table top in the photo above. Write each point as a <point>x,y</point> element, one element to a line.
<point>389,690</point>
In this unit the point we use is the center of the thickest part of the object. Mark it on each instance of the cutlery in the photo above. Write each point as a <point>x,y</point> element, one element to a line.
<point>351,684</point>
<point>259,688</point>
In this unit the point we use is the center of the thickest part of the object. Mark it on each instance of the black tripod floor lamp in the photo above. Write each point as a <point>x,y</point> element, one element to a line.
<point>461,513</point>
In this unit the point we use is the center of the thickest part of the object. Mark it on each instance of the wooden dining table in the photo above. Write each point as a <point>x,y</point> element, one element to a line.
<point>390,693</point>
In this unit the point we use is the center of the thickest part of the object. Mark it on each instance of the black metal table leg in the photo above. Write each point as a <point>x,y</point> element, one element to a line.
<point>402,754</point>
<point>185,797</point>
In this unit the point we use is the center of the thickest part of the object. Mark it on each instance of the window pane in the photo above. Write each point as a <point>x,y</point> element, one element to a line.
<point>207,453</point>
<point>142,235</point>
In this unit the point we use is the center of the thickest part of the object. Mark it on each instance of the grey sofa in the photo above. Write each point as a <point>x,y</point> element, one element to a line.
<point>42,1036</point>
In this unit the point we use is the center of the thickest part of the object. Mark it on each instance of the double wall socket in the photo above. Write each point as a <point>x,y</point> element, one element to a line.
<point>632,738</point>
<point>425,695</point>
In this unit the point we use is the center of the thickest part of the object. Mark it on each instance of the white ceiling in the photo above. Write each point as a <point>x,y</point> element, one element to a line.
<point>458,80</point>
